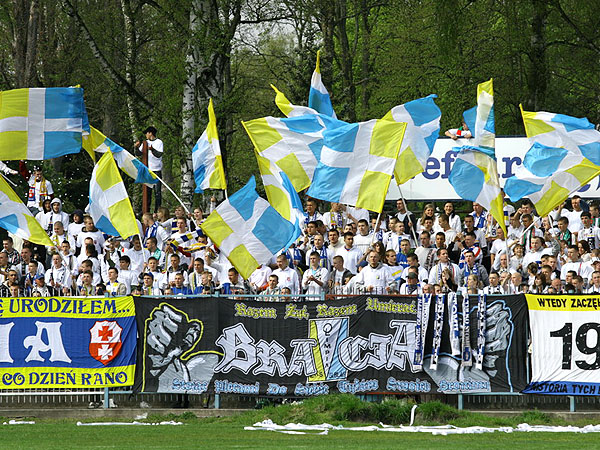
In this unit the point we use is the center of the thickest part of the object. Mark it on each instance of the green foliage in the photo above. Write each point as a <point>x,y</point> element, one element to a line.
<point>534,417</point>
<point>438,412</point>
<point>378,55</point>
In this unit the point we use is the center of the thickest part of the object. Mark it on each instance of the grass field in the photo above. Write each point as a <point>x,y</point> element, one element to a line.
<point>60,435</point>
<point>228,432</point>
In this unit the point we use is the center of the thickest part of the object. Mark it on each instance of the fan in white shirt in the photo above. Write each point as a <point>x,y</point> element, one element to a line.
<point>259,279</point>
<point>138,255</point>
<point>315,277</point>
<point>494,287</point>
<point>413,263</point>
<point>362,239</point>
<point>537,250</point>
<point>351,254</point>
<point>575,264</point>
<point>312,215</point>
<point>375,277</point>
<point>126,276</point>
<point>286,276</point>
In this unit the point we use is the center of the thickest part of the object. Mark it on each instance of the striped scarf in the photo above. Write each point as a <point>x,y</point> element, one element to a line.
<point>42,194</point>
<point>176,243</point>
<point>150,231</point>
<point>438,323</point>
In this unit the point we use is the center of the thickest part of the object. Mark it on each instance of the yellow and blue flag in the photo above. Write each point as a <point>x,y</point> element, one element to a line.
<point>206,157</point>
<point>293,144</point>
<point>288,108</point>
<point>41,123</point>
<point>318,96</point>
<point>356,163</point>
<point>280,192</point>
<point>474,175</point>
<point>109,202</point>
<point>16,218</point>
<point>480,119</point>
<point>422,118</point>
<point>98,142</point>
<point>564,156</point>
<point>248,230</point>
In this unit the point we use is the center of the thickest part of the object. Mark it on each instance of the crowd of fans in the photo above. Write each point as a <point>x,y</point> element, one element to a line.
<point>341,251</point>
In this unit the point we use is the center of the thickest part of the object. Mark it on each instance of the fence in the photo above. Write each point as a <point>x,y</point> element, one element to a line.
<point>495,400</point>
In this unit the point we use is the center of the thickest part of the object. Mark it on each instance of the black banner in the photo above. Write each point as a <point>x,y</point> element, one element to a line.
<point>354,345</point>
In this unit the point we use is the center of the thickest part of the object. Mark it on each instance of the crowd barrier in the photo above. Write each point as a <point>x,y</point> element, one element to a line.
<point>241,345</point>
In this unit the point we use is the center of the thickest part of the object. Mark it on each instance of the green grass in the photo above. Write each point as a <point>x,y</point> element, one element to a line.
<point>61,434</point>
<point>228,432</point>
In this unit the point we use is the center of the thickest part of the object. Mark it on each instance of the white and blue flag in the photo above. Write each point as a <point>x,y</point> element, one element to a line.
<point>248,230</point>
<point>318,96</point>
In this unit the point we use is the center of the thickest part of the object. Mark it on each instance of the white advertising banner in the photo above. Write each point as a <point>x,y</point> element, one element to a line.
<point>433,183</point>
<point>565,344</point>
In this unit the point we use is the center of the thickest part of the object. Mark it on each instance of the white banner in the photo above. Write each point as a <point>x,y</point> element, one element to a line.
<point>565,344</point>
<point>433,183</point>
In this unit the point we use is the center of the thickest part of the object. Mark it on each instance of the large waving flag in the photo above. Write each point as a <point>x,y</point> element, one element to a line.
<point>422,118</point>
<point>206,157</point>
<point>564,156</point>
<point>357,162</point>
<point>293,144</point>
<point>318,96</point>
<point>480,119</point>
<point>288,108</point>
<point>16,218</point>
<point>280,192</point>
<point>109,203</point>
<point>474,175</point>
<point>41,123</point>
<point>248,230</point>
<point>97,142</point>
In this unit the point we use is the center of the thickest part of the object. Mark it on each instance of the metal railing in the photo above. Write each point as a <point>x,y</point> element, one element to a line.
<point>25,397</point>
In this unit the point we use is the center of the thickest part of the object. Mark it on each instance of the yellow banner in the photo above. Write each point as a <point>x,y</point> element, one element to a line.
<point>65,377</point>
<point>67,307</point>
<point>563,302</point>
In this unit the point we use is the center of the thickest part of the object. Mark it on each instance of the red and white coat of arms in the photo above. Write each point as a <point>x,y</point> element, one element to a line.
<point>105,341</point>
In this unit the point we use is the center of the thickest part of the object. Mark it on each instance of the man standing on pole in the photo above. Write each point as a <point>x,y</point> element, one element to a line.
<point>154,161</point>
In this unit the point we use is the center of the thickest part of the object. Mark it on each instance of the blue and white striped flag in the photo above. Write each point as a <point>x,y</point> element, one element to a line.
<point>110,206</point>
<point>41,123</point>
<point>206,157</point>
<point>356,163</point>
<point>422,118</point>
<point>318,96</point>
<point>98,142</point>
<point>564,156</point>
<point>248,230</point>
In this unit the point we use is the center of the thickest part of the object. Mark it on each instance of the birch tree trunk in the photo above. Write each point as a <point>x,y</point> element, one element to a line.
<point>131,61</point>
<point>189,101</point>
<point>24,41</point>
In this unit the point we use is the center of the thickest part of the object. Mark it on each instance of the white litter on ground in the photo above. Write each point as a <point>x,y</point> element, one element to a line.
<point>18,422</point>
<point>441,430</point>
<point>95,424</point>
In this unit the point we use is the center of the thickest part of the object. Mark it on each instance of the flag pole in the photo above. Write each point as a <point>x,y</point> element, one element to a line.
<point>539,218</point>
<point>406,209</point>
<point>174,194</point>
<point>7,180</point>
<point>139,235</point>
<point>377,224</point>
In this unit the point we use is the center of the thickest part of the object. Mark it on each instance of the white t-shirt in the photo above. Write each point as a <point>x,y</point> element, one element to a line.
<point>154,163</point>
<point>37,200</point>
